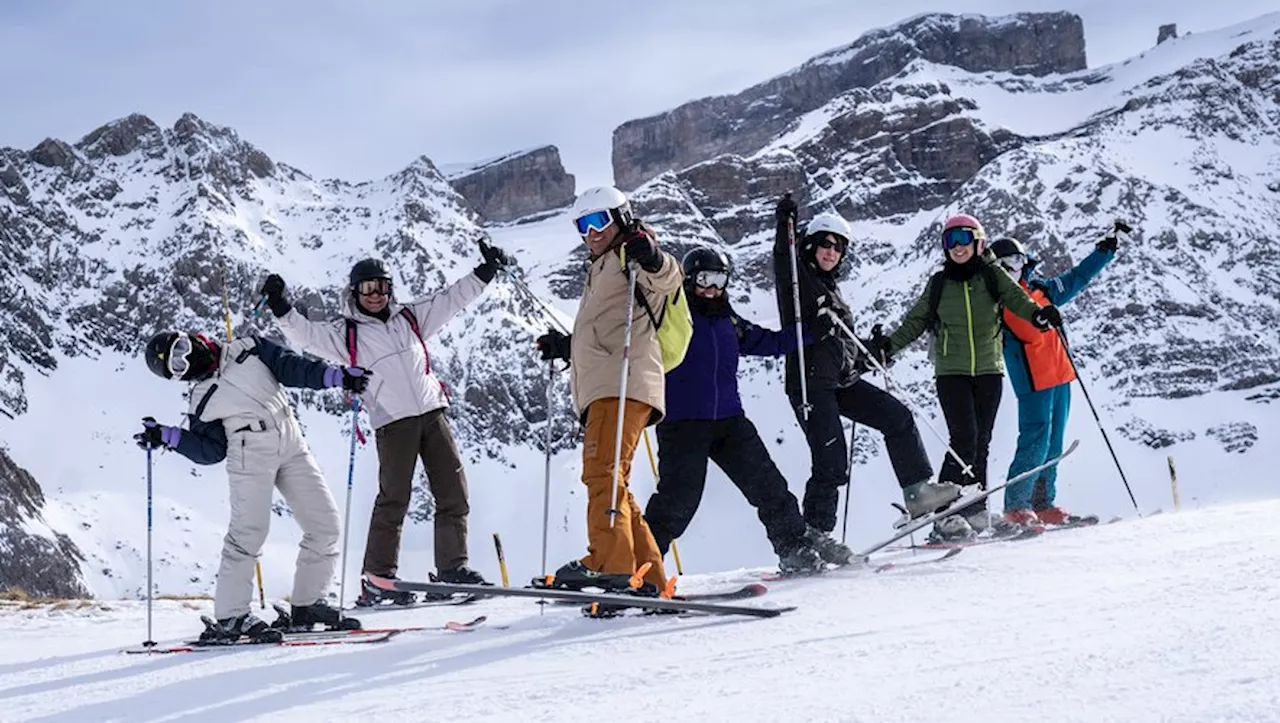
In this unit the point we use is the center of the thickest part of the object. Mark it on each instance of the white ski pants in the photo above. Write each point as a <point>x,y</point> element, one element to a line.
<point>260,460</point>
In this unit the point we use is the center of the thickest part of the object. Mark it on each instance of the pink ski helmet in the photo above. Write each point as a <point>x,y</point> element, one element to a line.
<point>963,229</point>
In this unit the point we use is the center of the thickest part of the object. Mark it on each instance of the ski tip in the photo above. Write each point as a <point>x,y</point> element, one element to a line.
<point>756,588</point>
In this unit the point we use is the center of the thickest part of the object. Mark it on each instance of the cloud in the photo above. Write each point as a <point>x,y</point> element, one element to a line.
<point>359,90</point>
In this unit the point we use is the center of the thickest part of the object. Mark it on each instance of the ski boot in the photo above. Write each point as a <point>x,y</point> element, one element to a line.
<point>373,596</point>
<point>229,630</point>
<point>304,618</point>
<point>926,497</point>
<point>800,560</point>
<point>1059,517</point>
<point>953,528</point>
<point>992,526</point>
<point>573,575</point>
<point>1023,517</point>
<point>461,575</point>
<point>827,547</point>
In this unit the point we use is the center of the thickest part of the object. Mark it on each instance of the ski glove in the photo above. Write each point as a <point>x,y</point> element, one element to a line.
<point>352,379</point>
<point>155,435</point>
<point>1112,239</point>
<point>787,209</point>
<point>495,259</point>
<point>273,289</point>
<point>555,344</point>
<point>641,248</point>
<point>1047,317</point>
<point>879,346</point>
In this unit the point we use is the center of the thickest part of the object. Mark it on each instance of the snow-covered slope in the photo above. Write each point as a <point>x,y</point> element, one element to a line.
<point>1164,619</point>
<point>129,230</point>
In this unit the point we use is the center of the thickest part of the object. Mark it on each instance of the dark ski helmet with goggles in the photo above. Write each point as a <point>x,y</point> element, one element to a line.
<point>182,355</point>
<point>369,270</point>
<point>707,268</point>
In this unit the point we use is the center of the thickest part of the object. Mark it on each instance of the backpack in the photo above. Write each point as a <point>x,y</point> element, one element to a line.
<point>674,326</point>
<point>935,293</point>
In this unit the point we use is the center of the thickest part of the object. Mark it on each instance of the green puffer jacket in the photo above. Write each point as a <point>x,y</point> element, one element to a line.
<point>969,340</point>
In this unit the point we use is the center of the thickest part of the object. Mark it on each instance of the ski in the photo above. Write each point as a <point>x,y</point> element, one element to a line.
<point>926,520</point>
<point>428,603</point>
<point>742,593</point>
<point>886,566</point>
<point>633,601</point>
<point>358,636</point>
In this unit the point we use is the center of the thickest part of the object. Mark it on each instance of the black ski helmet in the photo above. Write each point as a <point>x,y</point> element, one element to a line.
<point>157,353</point>
<point>368,270</point>
<point>705,258</point>
<point>201,355</point>
<point>1007,246</point>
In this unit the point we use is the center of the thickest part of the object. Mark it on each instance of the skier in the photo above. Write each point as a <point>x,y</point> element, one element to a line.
<point>961,306</point>
<point>1041,373</point>
<point>406,404</point>
<point>833,383</point>
<point>239,412</point>
<point>705,421</point>
<point>618,245</point>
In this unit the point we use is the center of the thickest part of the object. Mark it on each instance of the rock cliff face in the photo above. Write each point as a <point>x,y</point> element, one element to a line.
<point>33,559</point>
<point>1033,44</point>
<point>516,185</point>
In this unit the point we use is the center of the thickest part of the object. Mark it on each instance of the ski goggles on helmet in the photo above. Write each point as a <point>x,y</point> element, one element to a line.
<point>960,236</point>
<point>1015,263</point>
<point>711,279</point>
<point>371,287</point>
<point>595,221</point>
<point>179,360</point>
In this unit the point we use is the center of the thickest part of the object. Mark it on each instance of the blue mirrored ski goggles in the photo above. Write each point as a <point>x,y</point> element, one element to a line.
<point>595,221</point>
<point>953,237</point>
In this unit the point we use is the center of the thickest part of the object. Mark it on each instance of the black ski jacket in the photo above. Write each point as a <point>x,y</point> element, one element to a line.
<point>832,358</point>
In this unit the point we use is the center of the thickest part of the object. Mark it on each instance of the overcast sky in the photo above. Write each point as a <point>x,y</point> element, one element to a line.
<point>359,89</point>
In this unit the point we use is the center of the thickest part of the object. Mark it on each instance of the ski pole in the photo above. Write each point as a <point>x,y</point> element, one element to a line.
<point>964,466</point>
<point>653,465</point>
<point>150,642</point>
<point>795,297</point>
<point>622,394</point>
<point>531,297</point>
<point>844,525</point>
<point>546,484</point>
<point>502,560</point>
<point>226,314</point>
<point>346,513</point>
<point>1071,360</point>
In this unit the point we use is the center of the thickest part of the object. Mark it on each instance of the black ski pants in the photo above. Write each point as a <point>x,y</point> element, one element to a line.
<point>969,405</point>
<point>685,446</point>
<point>866,404</point>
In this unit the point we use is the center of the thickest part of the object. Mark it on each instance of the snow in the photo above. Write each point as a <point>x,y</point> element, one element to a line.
<point>1155,619</point>
<point>456,170</point>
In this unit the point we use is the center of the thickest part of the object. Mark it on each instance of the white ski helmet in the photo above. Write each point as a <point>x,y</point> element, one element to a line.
<point>829,223</point>
<point>596,207</point>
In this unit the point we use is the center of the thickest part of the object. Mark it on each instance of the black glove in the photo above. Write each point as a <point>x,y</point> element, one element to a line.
<point>155,435</point>
<point>273,289</point>
<point>1112,239</point>
<point>641,248</point>
<point>495,259</point>
<point>554,344</point>
<point>787,209</point>
<point>879,346</point>
<point>1047,317</point>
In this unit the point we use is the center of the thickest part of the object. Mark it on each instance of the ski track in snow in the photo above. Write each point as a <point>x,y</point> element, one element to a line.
<point>1168,618</point>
